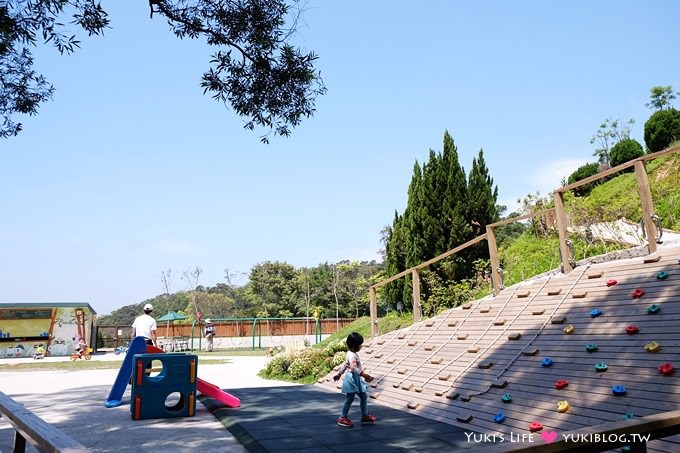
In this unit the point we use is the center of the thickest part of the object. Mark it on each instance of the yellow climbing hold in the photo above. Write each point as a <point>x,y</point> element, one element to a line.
<point>562,406</point>
<point>652,347</point>
<point>569,329</point>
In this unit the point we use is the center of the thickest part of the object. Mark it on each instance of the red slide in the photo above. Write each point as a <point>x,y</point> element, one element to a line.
<point>207,388</point>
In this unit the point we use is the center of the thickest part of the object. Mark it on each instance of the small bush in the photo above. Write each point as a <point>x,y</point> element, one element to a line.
<point>583,172</point>
<point>624,151</point>
<point>278,365</point>
<point>662,129</point>
<point>338,345</point>
<point>338,359</point>
<point>305,362</point>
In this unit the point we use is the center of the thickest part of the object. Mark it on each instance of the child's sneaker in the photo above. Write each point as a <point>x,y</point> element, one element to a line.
<point>346,422</point>
<point>368,420</point>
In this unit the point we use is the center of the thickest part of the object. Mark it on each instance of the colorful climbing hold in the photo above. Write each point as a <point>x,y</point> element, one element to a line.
<point>591,347</point>
<point>637,293</point>
<point>652,346</point>
<point>560,384</point>
<point>654,309</point>
<point>594,313</point>
<point>535,426</point>
<point>628,416</point>
<point>666,369</point>
<point>499,418</point>
<point>601,367</point>
<point>619,390</point>
<point>506,398</point>
<point>662,275</point>
<point>547,362</point>
<point>569,329</point>
<point>611,282</point>
<point>562,406</point>
<point>631,330</point>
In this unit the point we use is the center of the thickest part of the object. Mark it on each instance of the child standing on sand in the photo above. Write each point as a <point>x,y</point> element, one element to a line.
<point>353,384</point>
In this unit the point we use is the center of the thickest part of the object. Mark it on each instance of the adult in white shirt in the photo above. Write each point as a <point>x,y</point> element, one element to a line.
<point>145,326</point>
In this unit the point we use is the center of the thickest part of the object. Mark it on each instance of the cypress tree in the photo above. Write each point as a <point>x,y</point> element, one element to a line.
<point>455,225</point>
<point>481,205</point>
<point>395,251</point>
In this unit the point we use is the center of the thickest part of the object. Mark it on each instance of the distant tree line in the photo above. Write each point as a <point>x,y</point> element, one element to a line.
<point>274,289</point>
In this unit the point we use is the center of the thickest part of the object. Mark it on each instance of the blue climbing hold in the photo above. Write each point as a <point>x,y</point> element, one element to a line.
<point>619,390</point>
<point>628,416</point>
<point>499,418</point>
<point>594,313</point>
<point>547,362</point>
<point>506,398</point>
<point>662,275</point>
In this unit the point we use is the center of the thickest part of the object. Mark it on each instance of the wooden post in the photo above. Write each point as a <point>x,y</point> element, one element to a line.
<point>417,313</point>
<point>561,218</point>
<point>495,262</point>
<point>374,310</point>
<point>647,204</point>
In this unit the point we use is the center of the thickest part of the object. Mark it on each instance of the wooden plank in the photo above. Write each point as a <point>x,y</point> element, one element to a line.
<point>34,429</point>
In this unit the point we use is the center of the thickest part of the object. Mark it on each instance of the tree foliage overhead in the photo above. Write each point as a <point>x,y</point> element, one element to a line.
<point>256,70</point>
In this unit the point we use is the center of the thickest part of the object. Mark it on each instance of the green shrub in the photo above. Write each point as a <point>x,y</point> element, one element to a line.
<point>338,359</point>
<point>305,362</point>
<point>278,365</point>
<point>662,129</point>
<point>583,172</point>
<point>624,151</point>
<point>337,345</point>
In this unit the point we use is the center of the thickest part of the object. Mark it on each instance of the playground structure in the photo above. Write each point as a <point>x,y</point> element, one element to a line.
<point>590,349</point>
<point>553,354</point>
<point>153,396</point>
<point>178,375</point>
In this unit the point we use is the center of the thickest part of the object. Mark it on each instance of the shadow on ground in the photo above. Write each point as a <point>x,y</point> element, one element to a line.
<point>303,419</point>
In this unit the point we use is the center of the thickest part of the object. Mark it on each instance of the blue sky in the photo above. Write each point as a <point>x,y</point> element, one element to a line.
<point>130,170</point>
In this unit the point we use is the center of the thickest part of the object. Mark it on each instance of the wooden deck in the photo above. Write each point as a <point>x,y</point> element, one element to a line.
<point>456,366</point>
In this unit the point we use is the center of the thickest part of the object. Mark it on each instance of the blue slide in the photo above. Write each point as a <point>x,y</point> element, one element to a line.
<point>137,346</point>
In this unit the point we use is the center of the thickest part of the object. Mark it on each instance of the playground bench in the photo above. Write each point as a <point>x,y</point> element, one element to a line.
<point>29,426</point>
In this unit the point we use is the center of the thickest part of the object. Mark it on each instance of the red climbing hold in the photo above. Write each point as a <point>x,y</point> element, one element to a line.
<point>611,282</point>
<point>631,330</point>
<point>638,293</point>
<point>666,369</point>
<point>535,426</point>
<point>559,385</point>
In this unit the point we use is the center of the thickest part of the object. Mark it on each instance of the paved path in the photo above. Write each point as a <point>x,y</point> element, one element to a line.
<point>73,401</point>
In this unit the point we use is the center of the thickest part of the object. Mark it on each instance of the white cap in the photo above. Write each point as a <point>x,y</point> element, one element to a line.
<point>148,307</point>
<point>208,320</point>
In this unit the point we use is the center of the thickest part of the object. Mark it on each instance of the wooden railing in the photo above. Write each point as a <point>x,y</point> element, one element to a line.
<point>648,219</point>
<point>634,432</point>
<point>27,425</point>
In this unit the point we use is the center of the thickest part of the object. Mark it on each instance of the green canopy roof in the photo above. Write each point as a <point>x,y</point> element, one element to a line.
<point>172,316</point>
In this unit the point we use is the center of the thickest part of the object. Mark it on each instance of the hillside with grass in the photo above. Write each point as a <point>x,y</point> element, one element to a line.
<point>524,256</point>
